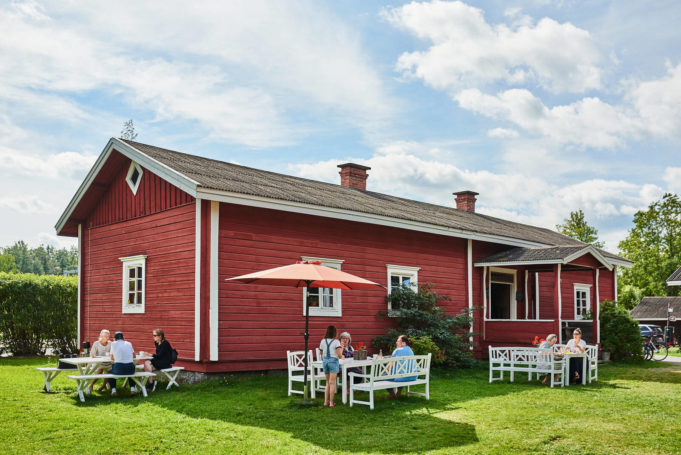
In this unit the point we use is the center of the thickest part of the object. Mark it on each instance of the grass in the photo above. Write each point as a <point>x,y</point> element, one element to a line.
<point>631,409</point>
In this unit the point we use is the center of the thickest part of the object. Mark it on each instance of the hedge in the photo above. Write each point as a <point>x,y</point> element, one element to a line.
<point>37,312</point>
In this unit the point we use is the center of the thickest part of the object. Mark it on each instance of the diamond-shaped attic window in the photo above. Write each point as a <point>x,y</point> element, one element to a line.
<point>134,177</point>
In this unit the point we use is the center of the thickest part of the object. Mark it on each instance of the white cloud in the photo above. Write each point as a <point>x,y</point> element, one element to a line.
<point>502,133</point>
<point>465,50</point>
<point>672,177</point>
<point>658,102</point>
<point>588,122</point>
<point>184,64</point>
<point>25,204</point>
<point>59,165</point>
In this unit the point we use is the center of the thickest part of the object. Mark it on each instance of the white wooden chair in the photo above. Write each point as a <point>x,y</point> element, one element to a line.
<point>296,371</point>
<point>592,352</point>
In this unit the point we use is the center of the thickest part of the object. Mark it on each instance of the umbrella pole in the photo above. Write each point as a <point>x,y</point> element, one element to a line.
<point>307,336</point>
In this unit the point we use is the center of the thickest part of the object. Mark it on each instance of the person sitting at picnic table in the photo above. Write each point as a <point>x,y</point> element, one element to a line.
<point>548,344</point>
<point>577,345</point>
<point>348,352</point>
<point>163,357</point>
<point>123,356</point>
<point>402,349</point>
<point>101,348</point>
<point>331,350</point>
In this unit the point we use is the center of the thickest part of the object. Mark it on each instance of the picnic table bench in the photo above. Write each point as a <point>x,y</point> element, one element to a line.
<point>83,381</point>
<point>410,370</point>
<point>50,373</point>
<point>525,360</point>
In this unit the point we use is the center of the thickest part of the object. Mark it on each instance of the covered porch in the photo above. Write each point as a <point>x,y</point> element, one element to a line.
<point>528,292</point>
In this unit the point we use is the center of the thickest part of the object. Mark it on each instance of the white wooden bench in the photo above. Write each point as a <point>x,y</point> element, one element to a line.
<point>525,360</point>
<point>50,373</point>
<point>83,381</point>
<point>384,372</point>
<point>171,374</point>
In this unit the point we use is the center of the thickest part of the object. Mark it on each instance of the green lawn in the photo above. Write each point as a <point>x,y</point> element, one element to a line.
<point>629,410</point>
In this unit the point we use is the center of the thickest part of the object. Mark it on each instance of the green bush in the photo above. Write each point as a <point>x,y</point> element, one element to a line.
<point>419,314</point>
<point>620,333</point>
<point>37,313</point>
<point>424,346</point>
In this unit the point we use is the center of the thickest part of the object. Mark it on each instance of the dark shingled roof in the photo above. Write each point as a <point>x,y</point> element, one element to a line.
<point>553,253</point>
<point>676,276</point>
<point>219,175</point>
<point>656,308</point>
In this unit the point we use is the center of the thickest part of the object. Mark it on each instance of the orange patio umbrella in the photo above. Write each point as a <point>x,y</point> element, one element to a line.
<point>309,274</point>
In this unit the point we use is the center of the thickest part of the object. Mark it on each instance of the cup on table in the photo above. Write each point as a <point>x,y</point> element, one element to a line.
<point>141,353</point>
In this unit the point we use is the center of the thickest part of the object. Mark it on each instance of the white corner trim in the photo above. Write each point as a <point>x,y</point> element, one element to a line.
<point>469,270</point>
<point>582,285</point>
<point>322,260</point>
<point>560,309</point>
<point>536,292</point>
<point>213,311</point>
<point>527,298</point>
<point>484,293</point>
<point>598,309</point>
<point>197,284</point>
<point>80,288</point>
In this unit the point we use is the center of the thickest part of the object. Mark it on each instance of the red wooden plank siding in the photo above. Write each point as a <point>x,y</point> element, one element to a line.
<point>259,323</point>
<point>167,238</point>
<point>567,287</point>
<point>153,195</point>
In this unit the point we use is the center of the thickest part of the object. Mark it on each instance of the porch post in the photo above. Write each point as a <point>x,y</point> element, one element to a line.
<point>595,308</point>
<point>527,307</point>
<point>557,304</point>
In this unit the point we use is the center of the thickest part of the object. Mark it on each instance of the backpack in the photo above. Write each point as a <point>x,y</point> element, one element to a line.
<point>173,356</point>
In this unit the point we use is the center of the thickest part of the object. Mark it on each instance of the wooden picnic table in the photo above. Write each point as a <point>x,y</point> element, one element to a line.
<point>345,364</point>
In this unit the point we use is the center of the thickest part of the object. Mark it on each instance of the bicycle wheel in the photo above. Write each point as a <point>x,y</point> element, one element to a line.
<point>647,352</point>
<point>660,352</point>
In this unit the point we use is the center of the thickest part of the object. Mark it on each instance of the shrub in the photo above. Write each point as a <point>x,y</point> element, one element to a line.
<point>424,346</point>
<point>38,312</point>
<point>419,314</point>
<point>620,333</point>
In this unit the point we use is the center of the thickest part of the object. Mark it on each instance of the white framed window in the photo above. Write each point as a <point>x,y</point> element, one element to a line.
<point>134,176</point>
<point>502,294</point>
<point>582,300</point>
<point>134,283</point>
<point>324,301</point>
<point>402,275</point>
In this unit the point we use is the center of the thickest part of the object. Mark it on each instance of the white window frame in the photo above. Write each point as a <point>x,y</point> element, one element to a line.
<point>128,263</point>
<point>513,304</point>
<point>337,310</point>
<point>402,271</point>
<point>128,178</point>
<point>580,287</point>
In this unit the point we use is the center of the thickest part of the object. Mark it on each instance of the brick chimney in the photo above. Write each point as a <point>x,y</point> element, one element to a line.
<point>465,200</point>
<point>354,175</point>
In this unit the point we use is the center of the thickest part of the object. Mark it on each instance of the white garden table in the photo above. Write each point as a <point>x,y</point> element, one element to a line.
<point>90,365</point>
<point>345,364</point>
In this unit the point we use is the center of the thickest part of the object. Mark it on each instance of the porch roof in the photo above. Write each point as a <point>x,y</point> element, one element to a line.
<point>544,255</point>
<point>675,278</point>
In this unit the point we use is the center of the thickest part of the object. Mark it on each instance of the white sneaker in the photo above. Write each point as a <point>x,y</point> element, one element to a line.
<point>133,390</point>
<point>153,386</point>
<point>113,392</point>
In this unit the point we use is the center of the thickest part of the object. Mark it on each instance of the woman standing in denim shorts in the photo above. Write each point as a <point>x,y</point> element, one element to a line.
<point>331,351</point>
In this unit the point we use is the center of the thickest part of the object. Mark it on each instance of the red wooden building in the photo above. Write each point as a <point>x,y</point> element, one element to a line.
<point>160,231</point>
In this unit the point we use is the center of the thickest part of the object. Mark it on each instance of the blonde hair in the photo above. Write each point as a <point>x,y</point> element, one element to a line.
<point>162,335</point>
<point>577,331</point>
<point>552,336</point>
<point>102,333</point>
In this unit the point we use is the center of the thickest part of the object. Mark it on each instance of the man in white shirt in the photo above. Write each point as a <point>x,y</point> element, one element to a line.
<point>123,356</point>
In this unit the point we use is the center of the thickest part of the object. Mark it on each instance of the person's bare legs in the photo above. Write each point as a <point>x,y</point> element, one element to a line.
<point>331,384</point>
<point>327,389</point>
<point>149,368</point>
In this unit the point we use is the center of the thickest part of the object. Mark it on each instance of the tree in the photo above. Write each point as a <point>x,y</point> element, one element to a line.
<point>7,263</point>
<point>128,132</point>
<point>576,227</point>
<point>654,245</point>
<point>43,260</point>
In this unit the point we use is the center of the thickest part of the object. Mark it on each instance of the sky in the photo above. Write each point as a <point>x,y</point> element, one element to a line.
<point>543,107</point>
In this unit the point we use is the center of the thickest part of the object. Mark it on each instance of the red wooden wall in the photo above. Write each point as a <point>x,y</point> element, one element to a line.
<point>157,222</point>
<point>259,323</point>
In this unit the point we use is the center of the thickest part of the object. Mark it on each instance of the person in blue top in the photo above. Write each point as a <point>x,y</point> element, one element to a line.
<point>402,349</point>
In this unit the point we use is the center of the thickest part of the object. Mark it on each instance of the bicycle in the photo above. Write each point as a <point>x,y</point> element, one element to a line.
<point>655,350</point>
